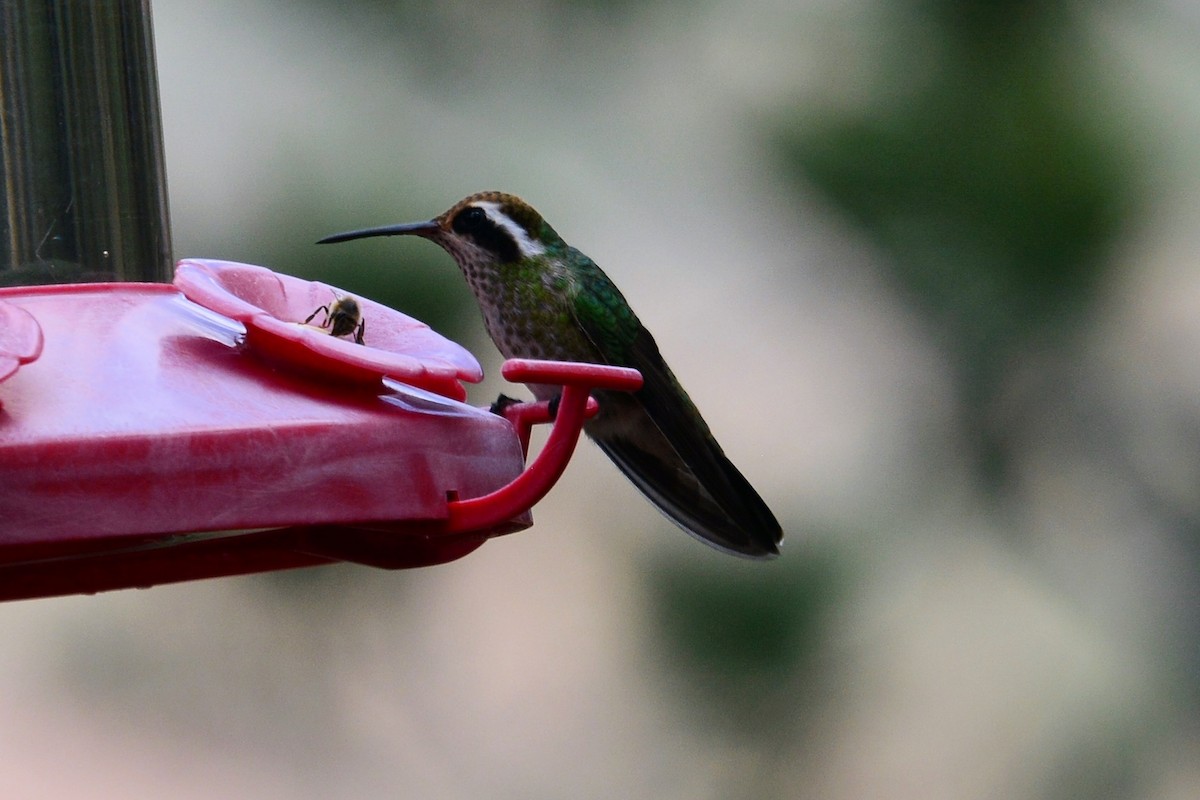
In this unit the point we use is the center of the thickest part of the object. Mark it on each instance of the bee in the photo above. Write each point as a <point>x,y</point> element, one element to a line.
<point>343,317</point>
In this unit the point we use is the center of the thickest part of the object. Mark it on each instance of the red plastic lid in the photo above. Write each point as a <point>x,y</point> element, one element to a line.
<point>145,418</point>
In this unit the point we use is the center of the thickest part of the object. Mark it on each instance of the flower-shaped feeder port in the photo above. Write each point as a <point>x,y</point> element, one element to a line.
<point>20,339</point>
<point>273,308</point>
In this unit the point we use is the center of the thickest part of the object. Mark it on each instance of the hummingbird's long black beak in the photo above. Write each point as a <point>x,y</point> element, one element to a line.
<point>413,228</point>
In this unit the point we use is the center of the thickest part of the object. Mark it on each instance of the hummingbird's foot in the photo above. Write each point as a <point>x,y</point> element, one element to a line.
<point>552,407</point>
<point>502,403</point>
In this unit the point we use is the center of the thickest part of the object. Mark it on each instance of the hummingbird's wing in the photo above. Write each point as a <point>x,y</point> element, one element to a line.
<point>661,443</point>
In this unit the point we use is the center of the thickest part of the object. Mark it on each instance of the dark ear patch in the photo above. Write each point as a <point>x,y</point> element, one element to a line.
<point>474,223</point>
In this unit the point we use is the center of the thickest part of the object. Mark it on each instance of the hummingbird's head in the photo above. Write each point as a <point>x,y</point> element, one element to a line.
<point>484,230</point>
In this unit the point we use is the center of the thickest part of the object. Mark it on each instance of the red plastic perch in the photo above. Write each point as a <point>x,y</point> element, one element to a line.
<point>574,405</point>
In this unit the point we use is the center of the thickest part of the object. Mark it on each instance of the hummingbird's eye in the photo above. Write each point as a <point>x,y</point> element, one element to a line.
<point>473,223</point>
<point>470,220</point>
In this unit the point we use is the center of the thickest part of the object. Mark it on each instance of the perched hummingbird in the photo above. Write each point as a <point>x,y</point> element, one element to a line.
<point>542,298</point>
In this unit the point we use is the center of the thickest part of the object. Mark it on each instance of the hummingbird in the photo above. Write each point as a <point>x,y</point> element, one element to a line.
<point>543,299</point>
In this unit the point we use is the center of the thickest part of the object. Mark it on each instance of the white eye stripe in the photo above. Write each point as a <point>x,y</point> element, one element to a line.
<point>527,246</point>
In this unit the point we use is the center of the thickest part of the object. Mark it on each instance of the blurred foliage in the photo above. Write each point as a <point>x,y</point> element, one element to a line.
<point>982,174</point>
<point>743,636</point>
<point>465,47</point>
<point>978,170</point>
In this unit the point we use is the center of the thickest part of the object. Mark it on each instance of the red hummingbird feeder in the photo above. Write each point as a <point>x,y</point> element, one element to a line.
<point>153,433</point>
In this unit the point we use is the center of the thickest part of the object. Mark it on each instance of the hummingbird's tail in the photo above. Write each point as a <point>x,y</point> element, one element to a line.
<point>684,472</point>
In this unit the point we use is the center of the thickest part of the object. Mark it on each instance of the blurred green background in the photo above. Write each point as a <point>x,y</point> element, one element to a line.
<point>928,267</point>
